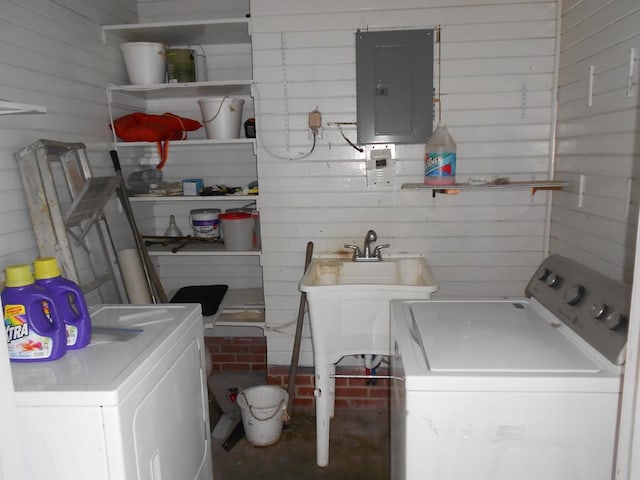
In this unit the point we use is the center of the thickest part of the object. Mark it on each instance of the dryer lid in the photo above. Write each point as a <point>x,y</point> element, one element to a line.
<point>496,336</point>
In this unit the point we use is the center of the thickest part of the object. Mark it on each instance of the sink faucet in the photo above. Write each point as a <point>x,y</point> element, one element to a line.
<point>369,238</point>
<point>367,255</point>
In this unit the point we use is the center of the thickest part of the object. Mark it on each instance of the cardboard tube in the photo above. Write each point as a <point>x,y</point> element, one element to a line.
<point>133,275</point>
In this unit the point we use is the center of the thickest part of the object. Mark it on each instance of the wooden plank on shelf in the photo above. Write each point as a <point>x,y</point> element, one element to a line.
<point>242,307</point>
<point>539,184</point>
<point>455,188</point>
<point>241,318</point>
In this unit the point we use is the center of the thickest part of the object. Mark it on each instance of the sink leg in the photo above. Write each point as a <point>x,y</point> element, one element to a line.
<point>323,411</point>
<point>332,390</point>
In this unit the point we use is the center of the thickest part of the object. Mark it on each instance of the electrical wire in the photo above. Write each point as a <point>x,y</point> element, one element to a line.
<point>262,143</point>
<point>339,125</point>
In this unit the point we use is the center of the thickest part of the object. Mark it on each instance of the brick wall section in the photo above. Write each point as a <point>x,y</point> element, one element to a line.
<point>249,354</point>
<point>240,354</point>
<point>351,393</point>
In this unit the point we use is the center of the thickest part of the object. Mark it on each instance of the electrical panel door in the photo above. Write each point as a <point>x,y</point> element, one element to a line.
<point>394,80</point>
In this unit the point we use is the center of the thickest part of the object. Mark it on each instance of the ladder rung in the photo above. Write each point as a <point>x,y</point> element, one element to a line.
<point>95,194</point>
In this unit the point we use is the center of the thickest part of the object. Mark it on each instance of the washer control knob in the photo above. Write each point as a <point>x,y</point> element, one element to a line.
<point>573,294</point>
<point>543,273</point>
<point>598,310</point>
<point>553,280</point>
<point>615,320</point>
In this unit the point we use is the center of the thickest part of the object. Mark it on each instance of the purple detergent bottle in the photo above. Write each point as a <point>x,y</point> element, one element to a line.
<point>34,331</point>
<point>69,299</point>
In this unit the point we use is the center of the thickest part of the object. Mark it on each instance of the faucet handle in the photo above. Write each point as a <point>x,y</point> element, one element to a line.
<point>356,250</point>
<point>377,250</point>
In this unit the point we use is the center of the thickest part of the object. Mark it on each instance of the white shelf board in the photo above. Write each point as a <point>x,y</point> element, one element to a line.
<point>179,198</point>
<point>184,90</point>
<point>191,143</point>
<point>204,32</point>
<point>197,248</point>
<point>13,108</point>
<point>242,307</point>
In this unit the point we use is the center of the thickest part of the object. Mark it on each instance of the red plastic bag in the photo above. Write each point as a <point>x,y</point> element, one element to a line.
<point>143,127</point>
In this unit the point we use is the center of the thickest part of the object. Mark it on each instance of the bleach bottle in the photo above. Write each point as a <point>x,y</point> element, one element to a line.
<point>34,331</point>
<point>68,298</point>
<point>440,158</point>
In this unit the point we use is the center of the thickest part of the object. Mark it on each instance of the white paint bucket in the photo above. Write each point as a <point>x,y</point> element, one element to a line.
<point>145,62</point>
<point>205,222</point>
<point>221,116</point>
<point>237,230</point>
<point>263,408</point>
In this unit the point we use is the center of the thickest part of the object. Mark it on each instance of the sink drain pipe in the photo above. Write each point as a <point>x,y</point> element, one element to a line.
<point>372,361</point>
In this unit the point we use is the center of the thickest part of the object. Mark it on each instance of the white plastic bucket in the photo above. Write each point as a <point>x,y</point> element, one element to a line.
<point>205,222</point>
<point>263,408</point>
<point>222,116</point>
<point>145,62</point>
<point>237,230</point>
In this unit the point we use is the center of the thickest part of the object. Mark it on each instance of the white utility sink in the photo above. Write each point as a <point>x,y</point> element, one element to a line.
<point>396,273</point>
<point>349,315</point>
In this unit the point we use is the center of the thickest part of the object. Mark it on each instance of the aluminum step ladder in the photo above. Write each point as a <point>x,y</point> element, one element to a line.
<point>66,205</point>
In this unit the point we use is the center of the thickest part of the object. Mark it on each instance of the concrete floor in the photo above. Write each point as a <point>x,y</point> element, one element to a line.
<point>359,443</point>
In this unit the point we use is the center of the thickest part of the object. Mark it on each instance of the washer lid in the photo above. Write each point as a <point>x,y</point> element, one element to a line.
<point>500,336</point>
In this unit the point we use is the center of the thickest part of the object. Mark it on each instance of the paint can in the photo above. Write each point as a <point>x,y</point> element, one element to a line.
<point>205,222</point>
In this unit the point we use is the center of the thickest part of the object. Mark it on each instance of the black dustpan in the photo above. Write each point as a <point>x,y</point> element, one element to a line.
<point>209,296</point>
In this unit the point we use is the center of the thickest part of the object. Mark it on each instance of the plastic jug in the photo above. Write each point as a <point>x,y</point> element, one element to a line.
<point>34,331</point>
<point>69,300</point>
<point>237,230</point>
<point>440,158</point>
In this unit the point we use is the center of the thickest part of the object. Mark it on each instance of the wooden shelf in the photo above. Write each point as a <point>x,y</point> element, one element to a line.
<point>204,32</point>
<point>13,108</point>
<point>242,307</point>
<point>198,248</point>
<point>180,198</point>
<point>534,185</point>
<point>239,308</point>
<point>190,143</point>
<point>184,90</point>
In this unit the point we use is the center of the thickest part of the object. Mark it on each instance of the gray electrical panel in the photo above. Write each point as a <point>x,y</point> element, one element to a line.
<point>394,80</point>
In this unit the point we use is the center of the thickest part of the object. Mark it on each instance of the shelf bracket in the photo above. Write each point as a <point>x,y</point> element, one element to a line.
<point>535,189</point>
<point>444,191</point>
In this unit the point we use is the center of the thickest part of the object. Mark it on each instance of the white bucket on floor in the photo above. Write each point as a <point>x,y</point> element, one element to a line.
<point>263,408</point>
<point>222,116</point>
<point>145,62</point>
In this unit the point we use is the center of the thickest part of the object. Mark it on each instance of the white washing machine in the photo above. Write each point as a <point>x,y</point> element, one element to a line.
<point>132,405</point>
<point>516,388</point>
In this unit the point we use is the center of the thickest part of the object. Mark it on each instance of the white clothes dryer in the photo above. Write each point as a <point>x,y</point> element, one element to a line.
<point>132,405</point>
